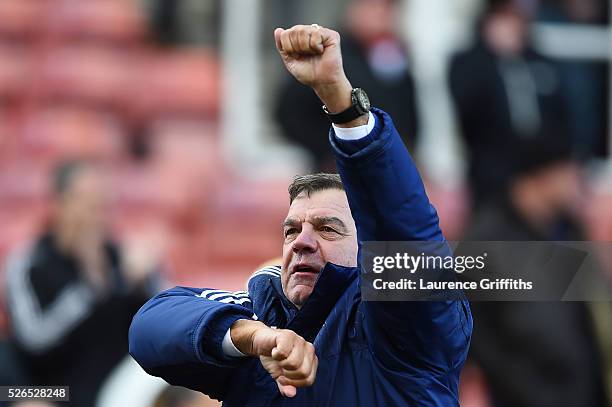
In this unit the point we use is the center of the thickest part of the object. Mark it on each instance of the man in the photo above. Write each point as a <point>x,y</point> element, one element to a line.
<point>71,295</point>
<point>329,347</point>
<point>504,92</point>
<point>537,354</point>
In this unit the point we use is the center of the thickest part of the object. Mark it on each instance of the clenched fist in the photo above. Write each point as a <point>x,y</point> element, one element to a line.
<point>311,54</point>
<point>289,359</point>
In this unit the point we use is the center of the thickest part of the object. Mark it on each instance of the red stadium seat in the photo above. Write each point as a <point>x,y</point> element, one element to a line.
<point>50,134</point>
<point>7,136</point>
<point>109,21</point>
<point>22,183</point>
<point>87,74</point>
<point>17,65</point>
<point>20,223</point>
<point>21,19</point>
<point>135,187</point>
<point>179,83</point>
<point>246,221</point>
<point>185,160</point>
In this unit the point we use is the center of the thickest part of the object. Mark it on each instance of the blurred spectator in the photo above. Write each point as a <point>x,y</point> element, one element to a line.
<point>504,92</point>
<point>574,11</point>
<point>585,80</point>
<point>180,22</point>
<point>71,295</point>
<point>166,21</point>
<point>537,354</point>
<point>374,59</point>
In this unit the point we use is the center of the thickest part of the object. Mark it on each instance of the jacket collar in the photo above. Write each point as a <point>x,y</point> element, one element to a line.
<point>331,284</point>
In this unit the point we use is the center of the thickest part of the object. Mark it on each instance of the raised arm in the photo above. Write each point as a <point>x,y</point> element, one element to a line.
<point>388,202</point>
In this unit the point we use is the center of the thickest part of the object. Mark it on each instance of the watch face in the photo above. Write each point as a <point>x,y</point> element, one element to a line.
<point>360,98</point>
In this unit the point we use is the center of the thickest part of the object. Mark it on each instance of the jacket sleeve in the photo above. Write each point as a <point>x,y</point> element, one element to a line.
<point>42,328</point>
<point>178,334</point>
<point>388,202</point>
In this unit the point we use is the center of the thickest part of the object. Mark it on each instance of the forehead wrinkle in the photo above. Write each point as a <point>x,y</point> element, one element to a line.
<point>327,198</point>
<point>317,214</point>
<point>306,207</point>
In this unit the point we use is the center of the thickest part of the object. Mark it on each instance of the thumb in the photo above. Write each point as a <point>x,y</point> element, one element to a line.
<point>278,354</point>
<point>286,389</point>
<point>277,40</point>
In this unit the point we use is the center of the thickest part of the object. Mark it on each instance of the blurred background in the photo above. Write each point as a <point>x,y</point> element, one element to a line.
<point>149,143</point>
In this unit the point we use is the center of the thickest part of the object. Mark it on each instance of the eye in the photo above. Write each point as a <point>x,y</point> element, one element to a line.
<point>328,229</point>
<point>290,231</point>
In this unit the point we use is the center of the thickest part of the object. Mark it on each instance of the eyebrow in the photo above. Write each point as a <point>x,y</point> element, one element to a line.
<point>328,220</point>
<point>291,222</point>
<point>317,221</point>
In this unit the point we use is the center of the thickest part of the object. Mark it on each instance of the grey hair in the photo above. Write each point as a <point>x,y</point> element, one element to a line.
<point>313,183</point>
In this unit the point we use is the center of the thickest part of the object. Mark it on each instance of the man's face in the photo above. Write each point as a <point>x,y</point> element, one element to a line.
<point>506,32</point>
<point>86,202</point>
<point>562,183</point>
<point>318,229</point>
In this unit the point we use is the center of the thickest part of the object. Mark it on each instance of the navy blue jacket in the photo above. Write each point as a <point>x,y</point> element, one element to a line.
<point>370,353</point>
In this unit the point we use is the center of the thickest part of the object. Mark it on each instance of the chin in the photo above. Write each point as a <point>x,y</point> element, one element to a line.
<point>299,296</point>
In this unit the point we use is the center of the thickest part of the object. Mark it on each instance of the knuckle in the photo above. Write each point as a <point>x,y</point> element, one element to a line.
<point>281,353</point>
<point>288,335</point>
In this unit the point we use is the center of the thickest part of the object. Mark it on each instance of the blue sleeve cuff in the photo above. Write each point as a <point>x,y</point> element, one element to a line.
<point>208,335</point>
<point>350,147</point>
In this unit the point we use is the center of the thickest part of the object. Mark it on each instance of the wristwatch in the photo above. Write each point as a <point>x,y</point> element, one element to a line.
<point>360,106</point>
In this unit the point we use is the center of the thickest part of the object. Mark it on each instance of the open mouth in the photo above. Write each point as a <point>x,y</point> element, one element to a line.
<point>305,268</point>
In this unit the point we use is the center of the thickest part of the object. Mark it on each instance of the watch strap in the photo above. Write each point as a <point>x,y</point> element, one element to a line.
<point>348,115</point>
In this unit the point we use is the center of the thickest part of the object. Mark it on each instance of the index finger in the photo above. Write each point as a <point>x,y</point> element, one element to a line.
<point>283,348</point>
<point>316,41</point>
<point>277,38</point>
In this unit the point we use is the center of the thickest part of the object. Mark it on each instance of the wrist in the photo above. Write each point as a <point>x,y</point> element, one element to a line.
<point>335,96</point>
<point>345,107</point>
<point>242,334</point>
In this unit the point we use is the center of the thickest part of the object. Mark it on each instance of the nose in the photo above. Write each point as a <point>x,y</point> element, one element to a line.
<point>306,241</point>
